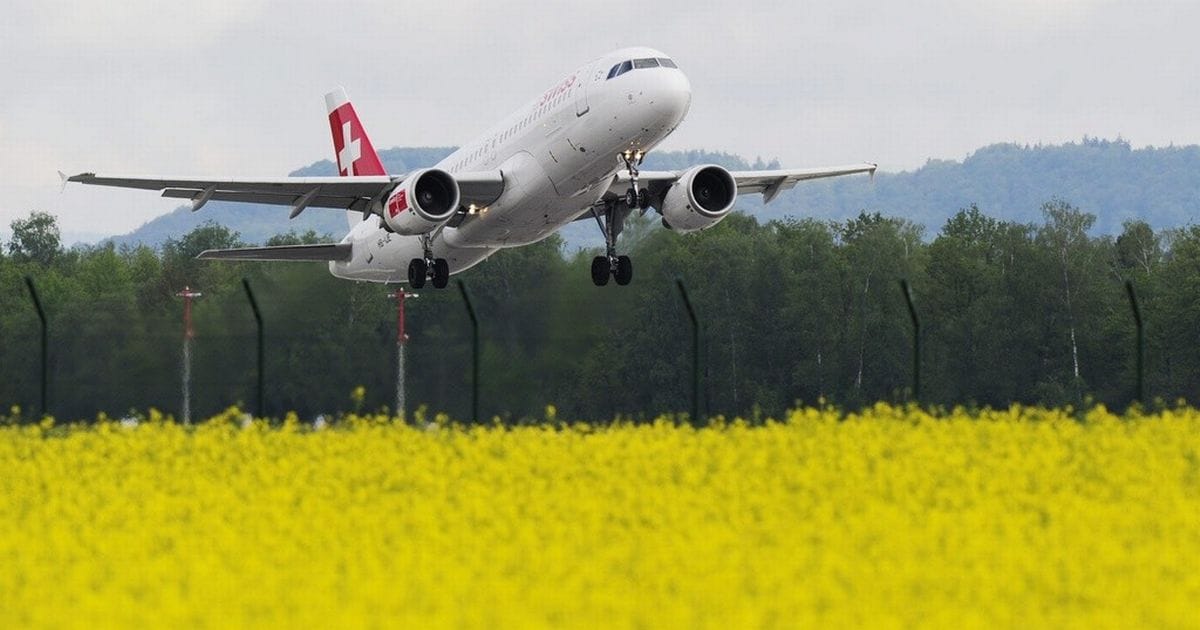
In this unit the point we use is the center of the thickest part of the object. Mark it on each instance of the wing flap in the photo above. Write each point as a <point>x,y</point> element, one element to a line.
<point>321,200</point>
<point>340,252</point>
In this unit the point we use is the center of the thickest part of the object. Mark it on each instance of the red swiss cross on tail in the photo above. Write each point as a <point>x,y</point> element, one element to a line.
<point>353,149</point>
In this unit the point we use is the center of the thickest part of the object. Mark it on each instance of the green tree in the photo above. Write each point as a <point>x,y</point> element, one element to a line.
<point>808,325</point>
<point>35,239</point>
<point>1174,320</point>
<point>875,253</point>
<point>1139,249</point>
<point>308,237</point>
<point>181,267</point>
<point>1064,235</point>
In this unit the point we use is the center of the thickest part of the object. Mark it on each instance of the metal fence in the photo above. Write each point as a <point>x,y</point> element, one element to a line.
<point>250,362</point>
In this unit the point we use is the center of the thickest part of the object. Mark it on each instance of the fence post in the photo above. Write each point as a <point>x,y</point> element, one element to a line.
<point>261,367</point>
<point>401,341</point>
<point>188,334</point>
<point>474,352</point>
<point>687,302</point>
<point>916,356</point>
<point>1141,341</point>
<point>37,303</point>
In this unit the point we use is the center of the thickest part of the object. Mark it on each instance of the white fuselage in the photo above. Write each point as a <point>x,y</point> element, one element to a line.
<point>558,156</point>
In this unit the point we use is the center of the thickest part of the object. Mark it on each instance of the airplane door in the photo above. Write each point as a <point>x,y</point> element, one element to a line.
<point>581,102</point>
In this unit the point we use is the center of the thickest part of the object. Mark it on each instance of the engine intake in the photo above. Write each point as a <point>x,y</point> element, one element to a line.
<point>425,200</point>
<point>699,199</point>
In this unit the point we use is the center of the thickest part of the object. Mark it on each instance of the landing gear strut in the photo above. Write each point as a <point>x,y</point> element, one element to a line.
<point>635,197</point>
<point>610,264</point>
<point>428,268</point>
<point>614,212</point>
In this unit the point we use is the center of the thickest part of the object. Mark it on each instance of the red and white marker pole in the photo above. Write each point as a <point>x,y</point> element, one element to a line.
<point>188,334</point>
<point>401,340</point>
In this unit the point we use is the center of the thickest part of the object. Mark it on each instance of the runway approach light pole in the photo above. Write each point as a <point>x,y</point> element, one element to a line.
<point>401,340</point>
<point>188,334</point>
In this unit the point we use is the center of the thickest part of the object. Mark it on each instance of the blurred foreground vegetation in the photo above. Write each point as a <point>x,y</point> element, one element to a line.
<point>1019,517</point>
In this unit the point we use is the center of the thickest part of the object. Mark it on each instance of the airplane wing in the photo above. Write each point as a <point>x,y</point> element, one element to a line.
<point>769,183</point>
<point>320,252</point>
<point>343,193</point>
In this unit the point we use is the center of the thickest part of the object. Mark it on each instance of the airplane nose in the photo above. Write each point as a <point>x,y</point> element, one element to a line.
<point>673,96</point>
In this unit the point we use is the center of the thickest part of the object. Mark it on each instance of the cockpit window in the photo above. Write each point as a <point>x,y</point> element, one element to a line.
<point>638,64</point>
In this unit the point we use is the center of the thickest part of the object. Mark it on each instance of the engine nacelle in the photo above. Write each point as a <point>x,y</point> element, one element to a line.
<point>699,199</point>
<point>424,201</point>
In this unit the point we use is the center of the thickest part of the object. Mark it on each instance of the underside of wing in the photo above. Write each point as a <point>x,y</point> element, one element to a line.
<point>357,193</point>
<point>343,193</point>
<point>769,183</point>
<point>480,188</point>
<point>322,252</point>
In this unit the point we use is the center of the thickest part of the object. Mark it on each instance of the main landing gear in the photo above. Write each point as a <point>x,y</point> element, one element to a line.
<point>428,268</point>
<point>614,212</point>
<point>620,268</point>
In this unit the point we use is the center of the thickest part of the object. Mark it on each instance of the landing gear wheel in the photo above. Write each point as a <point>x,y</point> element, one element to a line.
<point>441,273</point>
<point>417,270</point>
<point>601,269</point>
<point>632,198</point>
<point>624,271</point>
<point>643,199</point>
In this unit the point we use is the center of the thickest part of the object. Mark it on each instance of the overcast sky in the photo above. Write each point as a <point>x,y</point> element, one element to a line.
<point>235,88</point>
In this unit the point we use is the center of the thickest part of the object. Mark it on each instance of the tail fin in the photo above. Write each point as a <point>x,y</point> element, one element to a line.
<point>353,149</point>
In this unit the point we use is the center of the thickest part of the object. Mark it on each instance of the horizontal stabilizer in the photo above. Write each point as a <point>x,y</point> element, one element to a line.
<point>323,252</point>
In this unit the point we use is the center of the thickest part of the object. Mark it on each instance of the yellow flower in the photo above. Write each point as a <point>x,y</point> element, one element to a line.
<point>891,516</point>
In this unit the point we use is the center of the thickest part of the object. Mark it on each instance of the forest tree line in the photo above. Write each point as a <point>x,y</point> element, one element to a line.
<point>793,311</point>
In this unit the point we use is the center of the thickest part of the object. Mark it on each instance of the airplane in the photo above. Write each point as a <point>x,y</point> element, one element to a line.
<point>572,153</point>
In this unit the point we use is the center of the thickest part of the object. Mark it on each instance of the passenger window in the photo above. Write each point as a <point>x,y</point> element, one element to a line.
<point>645,63</point>
<point>666,63</point>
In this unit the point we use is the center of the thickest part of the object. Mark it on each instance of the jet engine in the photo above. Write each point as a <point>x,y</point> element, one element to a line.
<point>699,199</point>
<point>425,200</point>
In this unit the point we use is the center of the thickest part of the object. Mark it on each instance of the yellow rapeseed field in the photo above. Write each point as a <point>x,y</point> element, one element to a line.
<point>888,518</point>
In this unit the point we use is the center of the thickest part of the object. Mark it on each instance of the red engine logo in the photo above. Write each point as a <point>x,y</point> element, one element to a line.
<point>398,203</point>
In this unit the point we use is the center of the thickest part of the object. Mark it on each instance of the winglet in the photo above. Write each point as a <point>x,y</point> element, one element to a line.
<point>65,179</point>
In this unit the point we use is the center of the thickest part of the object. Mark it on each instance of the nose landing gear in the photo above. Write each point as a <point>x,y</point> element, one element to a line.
<point>428,268</point>
<point>635,197</point>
